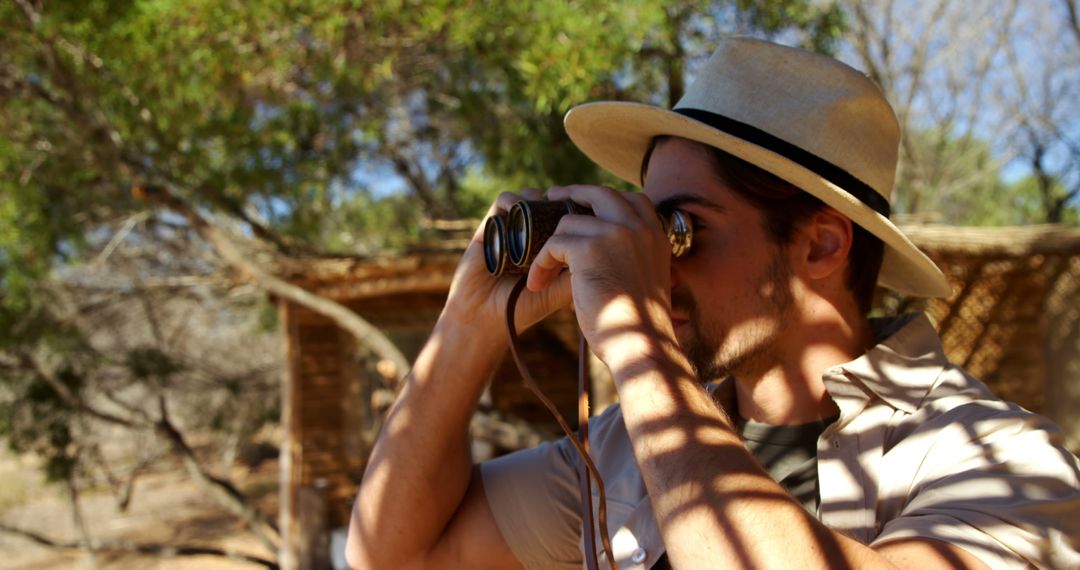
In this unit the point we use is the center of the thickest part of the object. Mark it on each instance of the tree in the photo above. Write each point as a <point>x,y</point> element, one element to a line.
<point>954,179</point>
<point>115,372</point>
<point>1041,96</point>
<point>189,147</point>
<point>967,77</point>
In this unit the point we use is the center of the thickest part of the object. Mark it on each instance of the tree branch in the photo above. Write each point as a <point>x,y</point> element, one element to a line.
<point>95,122</point>
<point>163,550</point>
<point>86,541</point>
<point>97,126</point>
<point>1074,17</point>
<point>28,362</point>
<point>419,184</point>
<point>220,489</point>
<point>364,332</point>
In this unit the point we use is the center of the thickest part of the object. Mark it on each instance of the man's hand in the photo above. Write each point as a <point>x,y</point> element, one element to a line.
<point>619,267</point>
<point>420,505</point>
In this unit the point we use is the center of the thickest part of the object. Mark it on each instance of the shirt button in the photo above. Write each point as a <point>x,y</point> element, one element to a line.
<point>638,556</point>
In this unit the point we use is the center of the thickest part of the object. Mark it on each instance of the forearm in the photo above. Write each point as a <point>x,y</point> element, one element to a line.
<point>714,504</point>
<point>420,466</point>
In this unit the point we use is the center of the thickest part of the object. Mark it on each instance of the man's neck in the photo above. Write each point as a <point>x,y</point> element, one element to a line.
<point>792,390</point>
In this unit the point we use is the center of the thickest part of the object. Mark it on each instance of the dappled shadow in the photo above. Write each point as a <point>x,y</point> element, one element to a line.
<point>692,489</point>
<point>929,450</point>
<point>943,451</point>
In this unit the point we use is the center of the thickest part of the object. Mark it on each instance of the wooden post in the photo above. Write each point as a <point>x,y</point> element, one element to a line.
<point>314,537</point>
<point>289,476</point>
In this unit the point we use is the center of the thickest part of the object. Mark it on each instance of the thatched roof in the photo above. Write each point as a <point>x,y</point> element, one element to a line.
<point>1005,241</point>
<point>425,267</point>
<point>358,278</point>
<point>1015,302</point>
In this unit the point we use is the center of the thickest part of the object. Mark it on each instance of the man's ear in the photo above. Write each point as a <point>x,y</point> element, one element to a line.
<point>829,235</point>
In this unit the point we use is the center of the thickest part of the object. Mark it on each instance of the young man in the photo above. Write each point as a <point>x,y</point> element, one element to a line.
<point>763,422</point>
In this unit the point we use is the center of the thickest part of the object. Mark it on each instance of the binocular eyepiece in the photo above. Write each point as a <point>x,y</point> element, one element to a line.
<point>512,240</point>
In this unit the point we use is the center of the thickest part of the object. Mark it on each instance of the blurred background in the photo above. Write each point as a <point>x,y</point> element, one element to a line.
<point>226,227</point>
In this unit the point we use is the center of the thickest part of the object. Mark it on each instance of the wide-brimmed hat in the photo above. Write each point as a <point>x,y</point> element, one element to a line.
<point>807,118</point>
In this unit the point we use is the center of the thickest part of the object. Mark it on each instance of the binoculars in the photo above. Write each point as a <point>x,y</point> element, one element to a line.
<point>512,240</point>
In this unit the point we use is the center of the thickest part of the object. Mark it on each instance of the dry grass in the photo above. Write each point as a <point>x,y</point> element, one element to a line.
<point>166,508</point>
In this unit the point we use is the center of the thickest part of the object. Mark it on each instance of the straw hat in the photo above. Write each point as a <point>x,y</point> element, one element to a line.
<point>804,117</point>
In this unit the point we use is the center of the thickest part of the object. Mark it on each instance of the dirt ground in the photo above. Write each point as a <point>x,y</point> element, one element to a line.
<point>166,508</point>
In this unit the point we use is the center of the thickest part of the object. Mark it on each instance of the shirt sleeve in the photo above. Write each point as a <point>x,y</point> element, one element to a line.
<point>534,496</point>
<point>999,484</point>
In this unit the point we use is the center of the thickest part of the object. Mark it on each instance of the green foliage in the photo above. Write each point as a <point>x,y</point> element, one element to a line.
<point>958,180</point>
<point>824,22</point>
<point>274,106</point>
<point>341,125</point>
<point>1027,203</point>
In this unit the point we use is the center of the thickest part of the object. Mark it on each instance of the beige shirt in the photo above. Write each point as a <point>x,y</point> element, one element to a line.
<point>921,449</point>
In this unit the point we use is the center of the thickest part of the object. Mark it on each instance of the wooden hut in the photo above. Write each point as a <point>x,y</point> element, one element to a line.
<point>1013,320</point>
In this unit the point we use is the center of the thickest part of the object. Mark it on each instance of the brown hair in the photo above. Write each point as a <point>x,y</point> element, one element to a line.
<point>785,206</point>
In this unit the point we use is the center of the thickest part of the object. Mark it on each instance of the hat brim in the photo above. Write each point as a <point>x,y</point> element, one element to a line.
<point>616,135</point>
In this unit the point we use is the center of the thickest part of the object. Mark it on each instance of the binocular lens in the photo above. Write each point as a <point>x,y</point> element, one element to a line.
<point>494,244</point>
<point>517,233</point>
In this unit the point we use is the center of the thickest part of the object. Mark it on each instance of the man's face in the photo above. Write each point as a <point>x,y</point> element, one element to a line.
<point>731,295</point>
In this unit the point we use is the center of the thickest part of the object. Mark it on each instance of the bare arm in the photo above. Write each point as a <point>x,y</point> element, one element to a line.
<point>420,503</point>
<point>704,483</point>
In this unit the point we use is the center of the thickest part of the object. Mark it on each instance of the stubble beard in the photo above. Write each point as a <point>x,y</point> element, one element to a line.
<point>715,353</point>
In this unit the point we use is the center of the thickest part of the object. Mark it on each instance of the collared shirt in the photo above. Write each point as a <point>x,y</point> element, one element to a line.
<point>921,449</point>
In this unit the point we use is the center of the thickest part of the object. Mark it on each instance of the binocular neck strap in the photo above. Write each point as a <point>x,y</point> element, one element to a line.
<point>586,470</point>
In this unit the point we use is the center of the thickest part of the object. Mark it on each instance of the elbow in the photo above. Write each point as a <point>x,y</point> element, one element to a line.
<point>354,549</point>
<point>365,551</point>
<point>359,553</point>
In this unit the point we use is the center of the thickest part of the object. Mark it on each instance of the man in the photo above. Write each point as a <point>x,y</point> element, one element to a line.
<point>886,455</point>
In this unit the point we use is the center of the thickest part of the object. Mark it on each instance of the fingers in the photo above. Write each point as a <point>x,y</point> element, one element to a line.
<point>579,241</point>
<point>620,216</point>
<point>555,255</point>
<point>626,208</point>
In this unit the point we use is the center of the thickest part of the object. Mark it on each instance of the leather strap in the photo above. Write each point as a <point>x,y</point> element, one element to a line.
<point>584,481</point>
<point>586,470</point>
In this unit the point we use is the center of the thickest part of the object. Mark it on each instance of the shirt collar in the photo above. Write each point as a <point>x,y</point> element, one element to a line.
<point>900,369</point>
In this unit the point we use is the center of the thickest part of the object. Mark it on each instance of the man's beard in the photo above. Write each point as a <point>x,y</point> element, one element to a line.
<point>714,357</point>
